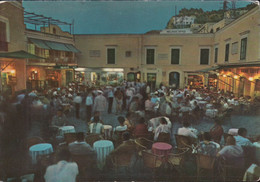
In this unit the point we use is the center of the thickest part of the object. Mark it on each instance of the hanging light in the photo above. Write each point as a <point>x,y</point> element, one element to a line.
<point>225,76</point>
<point>250,78</point>
<point>235,77</point>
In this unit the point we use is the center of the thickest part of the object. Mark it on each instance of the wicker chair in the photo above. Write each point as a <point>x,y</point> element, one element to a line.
<point>70,137</point>
<point>143,144</point>
<point>33,141</point>
<point>151,160</point>
<point>205,162</point>
<point>176,160</point>
<point>122,160</point>
<point>92,138</point>
<point>184,142</point>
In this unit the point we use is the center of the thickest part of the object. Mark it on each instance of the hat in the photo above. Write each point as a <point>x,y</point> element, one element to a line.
<point>100,92</point>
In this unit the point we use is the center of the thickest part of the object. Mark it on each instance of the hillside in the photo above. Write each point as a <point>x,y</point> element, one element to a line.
<point>208,16</point>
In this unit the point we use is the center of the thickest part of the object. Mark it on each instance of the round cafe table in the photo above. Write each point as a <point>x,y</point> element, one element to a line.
<point>160,148</point>
<point>103,149</point>
<point>66,129</point>
<point>233,131</point>
<point>107,131</point>
<point>40,149</point>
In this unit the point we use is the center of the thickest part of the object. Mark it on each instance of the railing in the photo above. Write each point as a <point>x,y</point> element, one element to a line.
<point>61,60</point>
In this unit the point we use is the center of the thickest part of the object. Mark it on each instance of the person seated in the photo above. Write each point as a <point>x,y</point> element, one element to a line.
<point>164,127</point>
<point>128,147</point>
<point>233,154</point>
<point>141,128</point>
<point>186,131</point>
<point>81,147</point>
<point>134,105</point>
<point>216,131</point>
<point>96,113</point>
<point>241,138</point>
<point>257,146</point>
<point>96,127</point>
<point>59,119</point>
<point>122,126</point>
<point>64,170</point>
<point>127,121</point>
<point>208,147</point>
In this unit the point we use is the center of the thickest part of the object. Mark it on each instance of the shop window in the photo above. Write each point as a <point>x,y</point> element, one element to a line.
<point>151,80</point>
<point>111,56</point>
<point>216,55</point>
<point>175,56</point>
<point>130,77</point>
<point>31,48</point>
<point>174,79</point>
<point>150,56</point>
<point>204,56</point>
<point>243,48</point>
<point>3,37</point>
<point>227,53</point>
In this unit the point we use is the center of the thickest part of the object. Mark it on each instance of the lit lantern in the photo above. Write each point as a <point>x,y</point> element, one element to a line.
<point>250,78</point>
<point>236,77</point>
<point>224,76</point>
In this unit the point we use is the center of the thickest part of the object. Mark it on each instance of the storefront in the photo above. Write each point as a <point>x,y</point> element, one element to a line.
<point>100,76</point>
<point>240,79</point>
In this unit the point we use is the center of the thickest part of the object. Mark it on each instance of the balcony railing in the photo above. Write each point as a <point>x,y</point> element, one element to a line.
<point>60,60</point>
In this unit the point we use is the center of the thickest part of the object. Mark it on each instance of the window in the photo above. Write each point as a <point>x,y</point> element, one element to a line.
<point>175,56</point>
<point>3,37</point>
<point>150,56</point>
<point>204,56</point>
<point>216,55</point>
<point>31,48</point>
<point>111,56</point>
<point>243,48</point>
<point>128,54</point>
<point>54,30</point>
<point>227,53</point>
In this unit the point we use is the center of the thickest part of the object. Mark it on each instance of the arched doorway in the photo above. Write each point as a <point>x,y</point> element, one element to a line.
<point>174,79</point>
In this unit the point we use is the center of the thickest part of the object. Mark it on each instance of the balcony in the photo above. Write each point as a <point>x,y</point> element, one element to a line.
<point>59,60</point>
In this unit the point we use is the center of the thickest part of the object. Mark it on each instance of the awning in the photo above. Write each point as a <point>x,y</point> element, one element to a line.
<point>72,48</point>
<point>45,44</point>
<point>206,70</point>
<point>237,65</point>
<point>19,55</point>
<point>39,43</point>
<point>57,46</point>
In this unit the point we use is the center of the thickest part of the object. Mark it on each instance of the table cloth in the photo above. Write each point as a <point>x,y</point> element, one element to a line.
<point>107,131</point>
<point>103,149</point>
<point>252,173</point>
<point>66,129</point>
<point>161,148</point>
<point>40,149</point>
<point>212,113</point>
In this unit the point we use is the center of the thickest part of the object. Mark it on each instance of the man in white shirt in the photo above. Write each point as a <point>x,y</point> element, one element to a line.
<point>63,171</point>
<point>77,101</point>
<point>100,103</point>
<point>241,138</point>
<point>185,130</point>
<point>89,103</point>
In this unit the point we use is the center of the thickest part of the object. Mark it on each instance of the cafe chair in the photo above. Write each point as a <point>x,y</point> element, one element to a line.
<point>122,160</point>
<point>70,137</point>
<point>33,141</point>
<point>85,163</point>
<point>177,160</point>
<point>143,144</point>
<point>92,138</point>
<point>164,137</point>
<point>151,160</point>
<point>184,142</point>
<point>205,162</point>
<point>148,136</point>
<point>117,138</point>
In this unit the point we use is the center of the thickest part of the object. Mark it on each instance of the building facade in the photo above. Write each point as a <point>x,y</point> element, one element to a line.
<point>12,39</point>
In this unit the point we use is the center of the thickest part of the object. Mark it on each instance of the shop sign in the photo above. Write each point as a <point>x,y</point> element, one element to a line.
<point>64,67</point>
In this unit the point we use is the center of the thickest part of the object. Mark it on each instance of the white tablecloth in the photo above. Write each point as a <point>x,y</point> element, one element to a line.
<point>40,149</point>
<point>154,122</point>
<point>107,131</point>
<point>103,149</point>
<point>66,129</point>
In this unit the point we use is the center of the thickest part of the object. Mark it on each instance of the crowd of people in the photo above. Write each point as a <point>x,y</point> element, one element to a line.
<point>141,113</point>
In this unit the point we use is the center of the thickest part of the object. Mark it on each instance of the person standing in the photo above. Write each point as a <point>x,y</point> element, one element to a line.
<point>119,100</point>
<point>100,103</point>
<point>110,96</point>
<point>89,103</point>
<point>77,101</point>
